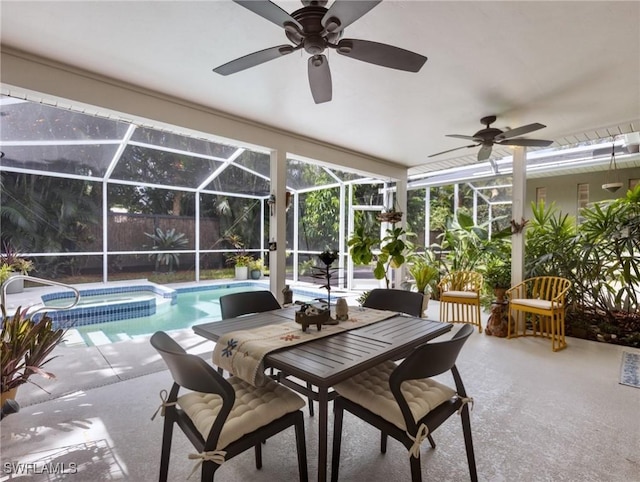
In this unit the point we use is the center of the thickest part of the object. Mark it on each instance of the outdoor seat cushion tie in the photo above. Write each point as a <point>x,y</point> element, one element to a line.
<point>216,456</point>
<point>164,396</point>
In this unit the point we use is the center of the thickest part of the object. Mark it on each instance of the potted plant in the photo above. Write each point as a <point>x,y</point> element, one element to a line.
<point>26,344</point>
<point>497,275</point>
<point>255,267</point>
<point>12,263</point>
<point>425,274</point>
<point>393,250</point>
<point>239,259</point>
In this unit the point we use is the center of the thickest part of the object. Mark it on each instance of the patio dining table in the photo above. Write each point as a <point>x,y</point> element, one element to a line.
<point>325,362</point>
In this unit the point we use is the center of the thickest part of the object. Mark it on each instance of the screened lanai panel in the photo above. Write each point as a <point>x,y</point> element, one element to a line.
<point>256,161</point>
<point>30,121</point>
<point>183,143</point>
<point>85,160</point>
<point>346,176</point>
<point>495,190</point>
<point>44,214</point>
<point>302,175</point>
<point>238,181</point>
<point>319,220</point>
<point>154,166</point>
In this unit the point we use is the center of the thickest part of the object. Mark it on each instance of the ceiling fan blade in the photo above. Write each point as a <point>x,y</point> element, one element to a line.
<point>381,54</point>
<point>320,78</point>
<point>454,149</point>
<point>458,136</point>
<point>343,13</point>
<point>484,152</point>
<point>525,142</point>
<point>269,11</point>
<point>519,131</point>
<point>256,58</point>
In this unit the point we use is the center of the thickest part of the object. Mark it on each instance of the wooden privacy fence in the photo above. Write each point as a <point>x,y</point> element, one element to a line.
<point>126,231</point>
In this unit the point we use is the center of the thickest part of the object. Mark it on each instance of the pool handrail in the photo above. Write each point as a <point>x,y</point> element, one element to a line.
<point>3,293</point>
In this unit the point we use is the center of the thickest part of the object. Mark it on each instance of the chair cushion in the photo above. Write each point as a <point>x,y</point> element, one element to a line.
<point>533,303</point>
<point>460,294</point>
<point>253,408</point>
<point>370,389</point>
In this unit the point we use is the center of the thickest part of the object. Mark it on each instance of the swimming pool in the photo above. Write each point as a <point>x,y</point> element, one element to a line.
<point>188,307</point>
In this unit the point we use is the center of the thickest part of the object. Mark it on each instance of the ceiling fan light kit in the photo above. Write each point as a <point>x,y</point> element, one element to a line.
<point>490,136</point>
<point>314,29</point>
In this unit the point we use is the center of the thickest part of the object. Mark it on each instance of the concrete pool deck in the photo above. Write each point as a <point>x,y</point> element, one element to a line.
<point>537,416</point>
<point>96,366</point>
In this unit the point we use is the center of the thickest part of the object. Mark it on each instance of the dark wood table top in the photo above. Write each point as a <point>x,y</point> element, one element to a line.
<point>332,359</point>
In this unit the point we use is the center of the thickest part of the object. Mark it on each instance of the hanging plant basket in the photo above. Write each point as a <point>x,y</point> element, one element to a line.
<point>390,217</point>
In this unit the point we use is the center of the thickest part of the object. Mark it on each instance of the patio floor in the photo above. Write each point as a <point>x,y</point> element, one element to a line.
<point>538,416</point>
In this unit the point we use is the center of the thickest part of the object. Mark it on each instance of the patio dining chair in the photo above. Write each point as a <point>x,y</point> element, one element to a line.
<point>222,417</point>
<point>537,306</point>
<point>460,297</point>
<point>403,402</point>
<point>247,302</point>
<point>402,301</point>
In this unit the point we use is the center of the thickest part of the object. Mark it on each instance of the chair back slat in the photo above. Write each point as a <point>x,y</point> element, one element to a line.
<point>431,359</point>
<point>461,281</point>
<point>190,371</point>
<point>246,302</point>
<point>402,301</point>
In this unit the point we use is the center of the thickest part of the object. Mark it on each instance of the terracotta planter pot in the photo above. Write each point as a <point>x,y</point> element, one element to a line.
<point>8,395</point>
<point>499,294</point>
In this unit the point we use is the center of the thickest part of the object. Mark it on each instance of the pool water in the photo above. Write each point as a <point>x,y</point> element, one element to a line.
<point>192,307</point>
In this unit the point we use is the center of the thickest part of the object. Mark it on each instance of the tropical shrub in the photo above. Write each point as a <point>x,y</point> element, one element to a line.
<point>165,241</point>
<point>601,257</point>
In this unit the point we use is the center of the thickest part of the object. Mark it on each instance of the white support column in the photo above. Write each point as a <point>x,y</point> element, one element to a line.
<point>517,213</point>
<point>296,238</point>
<point>342,236</point>
<point>105,232</point>
<point>196,244</point>
<point>277,224</point>
<point>427,217</point>
<point>401,201</point>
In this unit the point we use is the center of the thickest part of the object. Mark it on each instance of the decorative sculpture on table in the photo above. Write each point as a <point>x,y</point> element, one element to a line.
<point>320,314</point>
<point>326,272</point>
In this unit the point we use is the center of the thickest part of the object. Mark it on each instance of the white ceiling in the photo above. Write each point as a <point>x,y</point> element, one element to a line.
<point>574,66</point>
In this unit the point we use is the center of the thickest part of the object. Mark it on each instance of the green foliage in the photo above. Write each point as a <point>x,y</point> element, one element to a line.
<point>165,241</point>
<point>239,259</point>
<point>497,272</point>
<point>423,267</point>
<point>393,250</point>
<point>320,218</point>
<point>465,245</point>
<point>601,258</point>
<point>550,242</point>
<point>361,245</point>
<point>25,347</point>
<point>42,214</point>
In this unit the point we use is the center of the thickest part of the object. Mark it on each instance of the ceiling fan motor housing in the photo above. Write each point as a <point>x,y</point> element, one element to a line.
<point>314,37</point>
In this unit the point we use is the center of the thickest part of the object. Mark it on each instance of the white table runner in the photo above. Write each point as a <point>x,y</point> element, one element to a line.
<point>242,352</point>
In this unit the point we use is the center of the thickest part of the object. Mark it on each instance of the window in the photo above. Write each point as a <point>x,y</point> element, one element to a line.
<point>541,195</point>
<point>633,183</point>
<point>583,199</point>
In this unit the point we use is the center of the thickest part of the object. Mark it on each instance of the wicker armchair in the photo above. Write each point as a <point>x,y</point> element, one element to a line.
<point>460,297</point>
<point>537,307</point>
